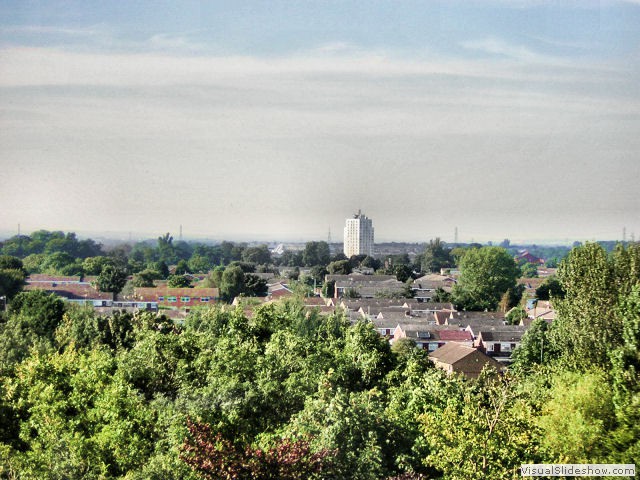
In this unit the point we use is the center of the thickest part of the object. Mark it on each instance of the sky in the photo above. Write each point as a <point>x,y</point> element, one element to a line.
<point>277,120</point>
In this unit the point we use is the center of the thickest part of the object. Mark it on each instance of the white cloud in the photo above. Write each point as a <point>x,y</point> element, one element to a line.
<point>496,46</point>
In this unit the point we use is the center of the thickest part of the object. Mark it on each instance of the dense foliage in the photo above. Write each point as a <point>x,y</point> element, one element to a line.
<point>487,274</point>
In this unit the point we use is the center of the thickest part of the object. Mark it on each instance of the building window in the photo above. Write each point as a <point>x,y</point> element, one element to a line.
<point>185,299</point>
<point>172,299</point>
<point>161,298</point>
<point>205,299</point>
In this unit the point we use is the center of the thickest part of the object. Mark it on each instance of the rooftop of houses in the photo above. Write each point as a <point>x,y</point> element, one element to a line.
<point>42,277</point>
<point>442,316</point>
<point>424,331</point>
<point>279,290</point>
<point>506,333</point>
<point>360,278</point>
<point>460,358</point>
<point>401,315</point>
<point>70,291</point>
<point>151,293</point>
<point>452,353</point>
<point>373,303</point>
<point>321,309</point>
<point>475,319</point>
<point>434,281</point>
<point>435,306</point>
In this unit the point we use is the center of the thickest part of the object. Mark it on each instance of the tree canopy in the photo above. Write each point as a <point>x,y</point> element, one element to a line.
<point>111,279</point>
<point>486,274</point>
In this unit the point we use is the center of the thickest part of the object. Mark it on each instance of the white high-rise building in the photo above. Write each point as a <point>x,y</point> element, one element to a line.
<point>358,235</point>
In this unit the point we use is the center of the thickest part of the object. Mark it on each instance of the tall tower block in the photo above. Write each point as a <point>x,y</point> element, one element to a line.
<point>358,235</point>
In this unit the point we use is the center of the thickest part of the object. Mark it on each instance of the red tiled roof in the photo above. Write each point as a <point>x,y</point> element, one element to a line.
<point>455,335</point>
<point>72,291</point>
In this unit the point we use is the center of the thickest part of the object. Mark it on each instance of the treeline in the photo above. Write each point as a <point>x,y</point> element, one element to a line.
<point>231,267</point>
<point>291,394</point>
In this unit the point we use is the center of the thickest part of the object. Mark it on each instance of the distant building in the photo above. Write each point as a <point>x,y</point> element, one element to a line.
<point>358,236</point>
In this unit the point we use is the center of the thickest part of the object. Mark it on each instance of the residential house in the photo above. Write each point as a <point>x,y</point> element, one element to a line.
<point>178,297</point>
<point>526,257</point>
<point>458,358</point>
<point>278,290</point>
<point>430,337</point>
<point>82,292</point>
<point>425,287</point>
<point>500,342</point>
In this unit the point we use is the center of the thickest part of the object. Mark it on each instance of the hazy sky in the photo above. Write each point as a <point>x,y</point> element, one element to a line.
<point>279,119</point>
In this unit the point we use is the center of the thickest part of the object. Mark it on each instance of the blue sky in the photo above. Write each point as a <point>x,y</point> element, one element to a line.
<point>277,120</point>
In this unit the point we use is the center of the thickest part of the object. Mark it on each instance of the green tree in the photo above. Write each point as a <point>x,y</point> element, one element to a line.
<point>370,262</point>
<point>340,267</point>
<point>316,253</point>
<point>182,267</point>
<point>94,265</point>
<point>586,327</point>
<point>515,315</point>
<point>403,272</point>
<point>483,432</point>
<point>39,311</point>
<point>231,283</point>
<point>577,417</point>
<point>529,270</point>
<point>625,373</point>
<point>79,418</point>
<point>199,263</point>
<point>160,267</point>
<point>166,249</point>
<point>61,263</point>
<point>254,286</point>
<point>534,349</point>
<point>316,274</point>
<point>291,258</point>
<point>329,289</point>
<point>145,279</point>
<point>486,274</point>
<point>550,288</point>
<point>33,318</point>
<point>259,255</point>
<point>111,279</point>
<point>179,281</point>
<point>436,256</point>
<point>32,263</point>
<point>12,277</point>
